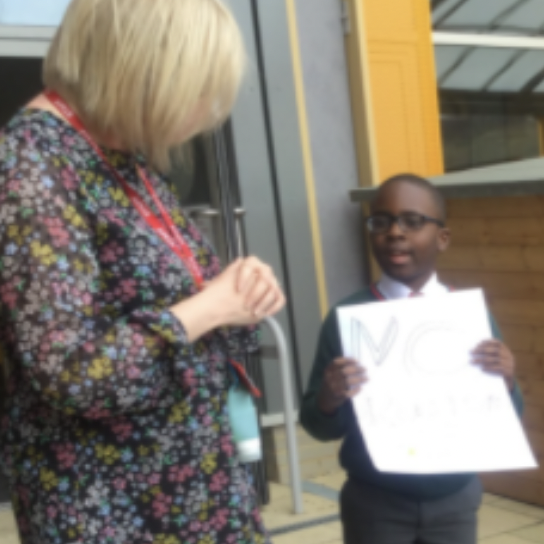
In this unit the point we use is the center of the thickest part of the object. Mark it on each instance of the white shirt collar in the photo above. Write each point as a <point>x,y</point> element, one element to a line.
<point>392,289</point>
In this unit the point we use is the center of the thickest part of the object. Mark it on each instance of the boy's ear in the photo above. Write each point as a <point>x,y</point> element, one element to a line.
<point>444,239</point>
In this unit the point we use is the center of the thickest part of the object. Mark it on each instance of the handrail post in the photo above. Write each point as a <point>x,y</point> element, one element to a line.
<point>287,385</point>
<point>289,411</point>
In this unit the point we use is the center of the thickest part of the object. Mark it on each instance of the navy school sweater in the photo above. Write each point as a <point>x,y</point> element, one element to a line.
<point>354,456</point>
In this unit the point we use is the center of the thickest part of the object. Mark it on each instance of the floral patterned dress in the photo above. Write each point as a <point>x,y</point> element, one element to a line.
<point>115,429</point>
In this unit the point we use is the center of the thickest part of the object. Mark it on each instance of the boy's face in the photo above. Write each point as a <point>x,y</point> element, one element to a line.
<point>408,257</point>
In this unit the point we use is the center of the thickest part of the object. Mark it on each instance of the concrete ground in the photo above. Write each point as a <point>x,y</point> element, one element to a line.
<point>502,521</point>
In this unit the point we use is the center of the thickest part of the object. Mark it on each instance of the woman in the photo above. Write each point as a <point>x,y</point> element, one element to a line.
<point>117,322</point>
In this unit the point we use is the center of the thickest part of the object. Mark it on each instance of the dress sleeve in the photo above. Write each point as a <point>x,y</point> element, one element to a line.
<point>77,358</point>
<point>244,340</point>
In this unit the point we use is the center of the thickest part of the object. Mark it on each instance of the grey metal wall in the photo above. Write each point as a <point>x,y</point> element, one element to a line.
<point>271,176</point>
<point>271,172</point>
<point>325,74</point>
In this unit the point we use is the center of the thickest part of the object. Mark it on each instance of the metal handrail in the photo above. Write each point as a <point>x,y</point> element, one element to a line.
<point>289,410</point>
<point>287,385</point>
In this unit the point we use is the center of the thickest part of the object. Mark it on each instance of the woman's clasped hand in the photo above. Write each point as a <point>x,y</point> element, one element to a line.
<point>246,292</point>
<point>249,291</point>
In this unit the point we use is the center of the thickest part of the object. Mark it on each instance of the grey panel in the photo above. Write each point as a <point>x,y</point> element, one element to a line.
<point>529,18</point>
<point>447,56</point>
<point>256,185</point>
<point>28,49</point>
<point>539,88</point>
<point>489,142</point>
<point>523,69</point>
<point>529,169</point>
<point>443,9</point>
<point>478,13</point>
<point>290,178</point>
<point>516,178</point>
<point>333,151</point>
<point>477,69</point>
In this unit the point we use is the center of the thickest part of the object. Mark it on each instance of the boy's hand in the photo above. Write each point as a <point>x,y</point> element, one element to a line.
<point>342,380</point>
<point>494,357</point>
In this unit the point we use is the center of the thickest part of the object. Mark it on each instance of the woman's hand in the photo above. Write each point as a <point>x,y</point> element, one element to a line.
<point>493,356</point>
<point>243,294</point>
<point>260,287</point>
<point>249,291</point>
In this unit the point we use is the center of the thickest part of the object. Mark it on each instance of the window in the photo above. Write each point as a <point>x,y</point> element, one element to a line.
<point>490,73</point>
<point>24,76</point>
<point>32,12</point>
<point>504,17</point>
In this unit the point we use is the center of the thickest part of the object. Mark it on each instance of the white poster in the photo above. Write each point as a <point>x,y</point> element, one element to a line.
<point>427,408</point>
<point>32,12</point>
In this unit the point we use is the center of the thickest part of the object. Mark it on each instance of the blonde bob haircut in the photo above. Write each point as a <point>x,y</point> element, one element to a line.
<point>148,73</point>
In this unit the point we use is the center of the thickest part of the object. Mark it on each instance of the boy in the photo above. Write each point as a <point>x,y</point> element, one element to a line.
<point>407,233</point>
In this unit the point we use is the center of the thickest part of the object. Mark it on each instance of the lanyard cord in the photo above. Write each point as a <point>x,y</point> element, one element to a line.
<point>166,229</point>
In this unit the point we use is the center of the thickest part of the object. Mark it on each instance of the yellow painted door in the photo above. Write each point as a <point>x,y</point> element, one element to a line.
<point>402,90</point>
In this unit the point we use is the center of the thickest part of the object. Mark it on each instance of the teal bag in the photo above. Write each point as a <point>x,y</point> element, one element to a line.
<point>244,421</point>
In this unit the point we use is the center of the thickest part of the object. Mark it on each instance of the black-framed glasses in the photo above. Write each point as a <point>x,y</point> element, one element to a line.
<point>381,223</point>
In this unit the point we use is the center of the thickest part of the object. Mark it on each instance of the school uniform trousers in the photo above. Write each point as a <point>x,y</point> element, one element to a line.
<point>375,516</point>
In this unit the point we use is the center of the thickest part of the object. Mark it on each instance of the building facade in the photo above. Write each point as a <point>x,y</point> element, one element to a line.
<point>341,94</point>
<point>453,90</point>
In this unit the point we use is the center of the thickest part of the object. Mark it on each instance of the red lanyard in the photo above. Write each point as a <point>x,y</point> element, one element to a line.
<point>376,292</point>
<point>166,229</point>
